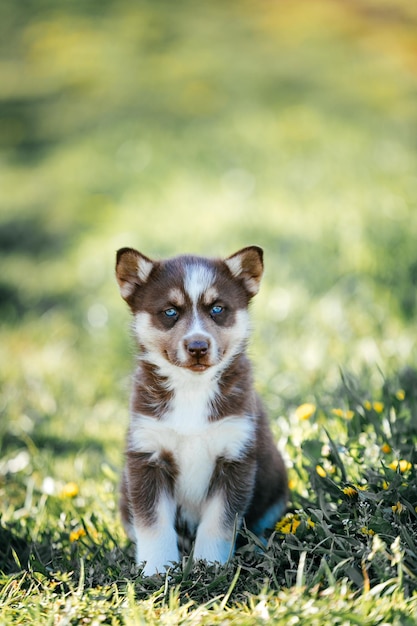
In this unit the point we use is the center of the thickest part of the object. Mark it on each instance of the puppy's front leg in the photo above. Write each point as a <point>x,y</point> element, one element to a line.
<point>150,486</point>
<point>156,543</point>
<point>229,495</point>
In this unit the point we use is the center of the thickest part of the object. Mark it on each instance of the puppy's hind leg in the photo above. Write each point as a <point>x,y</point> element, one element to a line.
<point>269,519</point>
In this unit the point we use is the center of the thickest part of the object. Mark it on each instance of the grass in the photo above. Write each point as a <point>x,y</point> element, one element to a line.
<point>204,129</point>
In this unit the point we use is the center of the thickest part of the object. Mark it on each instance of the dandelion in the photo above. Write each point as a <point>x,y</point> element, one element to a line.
<point>347,415</point>
<point>292,484</point>
<point>400,395</point>
<point>305,411</point>
<point>288,525</point>
<point>75,535</point>
<point>321,471</point>
<point>70,490</point>
<point>350,492</point>
<point>378,407</point>
<point>398,508</point>
<point>386,448</point>
<point>402,465</point>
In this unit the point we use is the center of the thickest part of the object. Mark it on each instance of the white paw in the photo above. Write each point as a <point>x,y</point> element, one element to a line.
<point>212,550</point>
<point>214,542</point>
<point>157,548</point>
<point>158,561</point>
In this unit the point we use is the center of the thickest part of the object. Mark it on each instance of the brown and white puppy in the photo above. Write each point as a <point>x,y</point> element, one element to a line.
<point>199,454</point>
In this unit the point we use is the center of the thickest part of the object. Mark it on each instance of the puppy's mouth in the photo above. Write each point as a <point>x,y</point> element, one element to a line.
<point>198,367</point>
<point>195,365</point>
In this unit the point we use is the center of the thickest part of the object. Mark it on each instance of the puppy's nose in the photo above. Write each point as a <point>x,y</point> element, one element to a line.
<point>197,348</point>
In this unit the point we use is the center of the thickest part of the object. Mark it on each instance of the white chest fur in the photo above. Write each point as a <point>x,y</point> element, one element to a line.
<point>194,442</point>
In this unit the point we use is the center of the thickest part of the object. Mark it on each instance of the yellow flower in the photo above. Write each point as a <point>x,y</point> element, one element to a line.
<point>386,448</point>
<point>288,525</point>
<point>385,485</point>
<point>400,394</point>
<point>367,531</point>
<point>305,411</point>
<point>402,465</point>
<point>350,492</point>
<point>70,490</point>
<point>347,415</point>
<point>321,471</point>
<point>405,466</point>
<point>378,407</point>
<point>398,508</point>
<point>292,484</point>
<point>76,534</point>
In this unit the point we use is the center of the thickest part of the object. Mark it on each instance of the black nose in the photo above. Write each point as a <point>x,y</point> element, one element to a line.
<point>197,348</point>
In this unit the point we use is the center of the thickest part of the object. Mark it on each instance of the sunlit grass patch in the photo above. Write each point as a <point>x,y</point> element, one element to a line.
<point>351,501</point>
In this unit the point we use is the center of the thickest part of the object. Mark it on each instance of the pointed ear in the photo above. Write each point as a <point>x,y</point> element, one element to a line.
<point>247,265</point>
<point>132,270</point>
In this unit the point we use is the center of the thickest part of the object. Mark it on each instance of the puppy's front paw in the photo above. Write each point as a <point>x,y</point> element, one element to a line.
<point>156,556</point>
<point>212,549</point>
<point>156,567</point>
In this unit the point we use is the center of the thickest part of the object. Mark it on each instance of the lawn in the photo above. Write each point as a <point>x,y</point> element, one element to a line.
<point>204,128</point>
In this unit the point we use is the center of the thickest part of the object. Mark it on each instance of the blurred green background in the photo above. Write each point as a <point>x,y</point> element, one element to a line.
<point>200,127</point>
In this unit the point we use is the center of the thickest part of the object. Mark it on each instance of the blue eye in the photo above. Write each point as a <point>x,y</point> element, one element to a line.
<point>171,312</point>
<point>216,310</point>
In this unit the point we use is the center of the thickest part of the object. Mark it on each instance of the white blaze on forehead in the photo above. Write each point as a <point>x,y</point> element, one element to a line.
<point>198,279</point>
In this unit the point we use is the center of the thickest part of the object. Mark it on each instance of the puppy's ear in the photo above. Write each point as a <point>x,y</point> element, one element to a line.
<point>247,265</point>
<point>132,270</point>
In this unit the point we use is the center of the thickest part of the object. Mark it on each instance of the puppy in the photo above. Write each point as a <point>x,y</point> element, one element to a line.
<point>199,455</point>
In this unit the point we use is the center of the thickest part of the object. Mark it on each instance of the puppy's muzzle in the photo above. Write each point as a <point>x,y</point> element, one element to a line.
<point>197,348</point>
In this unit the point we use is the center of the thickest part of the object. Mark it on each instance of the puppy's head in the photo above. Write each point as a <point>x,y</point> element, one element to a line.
<point>190,312</point>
